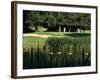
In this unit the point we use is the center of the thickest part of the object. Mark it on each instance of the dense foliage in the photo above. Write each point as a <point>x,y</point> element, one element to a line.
<point>46,19</point>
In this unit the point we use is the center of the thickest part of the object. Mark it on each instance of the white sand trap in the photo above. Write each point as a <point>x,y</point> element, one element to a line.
<point>37,35</point>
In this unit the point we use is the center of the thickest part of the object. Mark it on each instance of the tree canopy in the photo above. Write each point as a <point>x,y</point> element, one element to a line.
<point>54,19</point>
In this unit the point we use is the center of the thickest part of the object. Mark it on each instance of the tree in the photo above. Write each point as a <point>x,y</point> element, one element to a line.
<point>36,19</point>
<point>84,20</point>
<point>60,20</point>
<point>50,20</point>
<point>33,19</point>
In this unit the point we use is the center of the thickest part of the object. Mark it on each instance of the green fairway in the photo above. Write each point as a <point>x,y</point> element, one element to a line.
<point>62,33</point>
<point>29,41</point>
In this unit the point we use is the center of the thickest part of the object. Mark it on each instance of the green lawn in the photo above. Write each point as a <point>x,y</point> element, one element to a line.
<point>30,41</point>
<point>61,33</point>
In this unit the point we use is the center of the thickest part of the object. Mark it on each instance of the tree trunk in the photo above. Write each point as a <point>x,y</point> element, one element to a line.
<point>59,28</point>
<point>64,29</point>
<point>36,28</point>
<point>69,28</point>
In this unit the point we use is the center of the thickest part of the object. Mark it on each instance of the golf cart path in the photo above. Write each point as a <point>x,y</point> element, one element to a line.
<point>37,35</point>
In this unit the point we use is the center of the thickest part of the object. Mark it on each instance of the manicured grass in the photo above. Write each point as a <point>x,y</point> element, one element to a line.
<point>78,34</point>
<point>50,33</point>
<point>61,33</point>
<point>29,41</point>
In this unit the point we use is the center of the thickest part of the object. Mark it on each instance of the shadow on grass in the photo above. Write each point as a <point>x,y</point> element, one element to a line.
<point>78,34</point>
<point>27,30</point>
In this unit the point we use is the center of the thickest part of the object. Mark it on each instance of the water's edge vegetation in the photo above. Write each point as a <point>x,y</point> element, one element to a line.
<point>68,51</point>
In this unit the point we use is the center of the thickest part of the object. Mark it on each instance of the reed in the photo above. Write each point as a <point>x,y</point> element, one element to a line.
<point>58,52</point>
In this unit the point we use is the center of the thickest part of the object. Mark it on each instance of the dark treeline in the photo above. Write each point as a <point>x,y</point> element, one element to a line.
<point>55,20</point>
